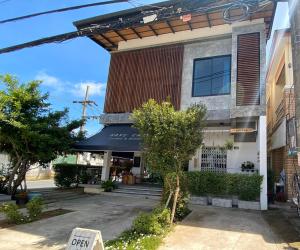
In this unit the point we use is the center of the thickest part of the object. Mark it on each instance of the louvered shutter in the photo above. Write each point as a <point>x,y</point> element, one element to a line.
<point>248,70</point>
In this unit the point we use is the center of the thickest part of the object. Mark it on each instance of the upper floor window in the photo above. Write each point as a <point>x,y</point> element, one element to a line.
<point>212,76</point>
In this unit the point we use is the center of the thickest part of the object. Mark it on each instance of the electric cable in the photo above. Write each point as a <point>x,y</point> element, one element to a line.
<point>60,10</point>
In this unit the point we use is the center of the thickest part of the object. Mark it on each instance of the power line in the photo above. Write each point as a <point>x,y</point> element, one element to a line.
<point>59,10</point>
<point>4,1</point>
<point>162,14</point>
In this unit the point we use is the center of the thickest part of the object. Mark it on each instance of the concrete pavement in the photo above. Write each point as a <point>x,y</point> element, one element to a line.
<point>222,228</point>
<point>110,214</point>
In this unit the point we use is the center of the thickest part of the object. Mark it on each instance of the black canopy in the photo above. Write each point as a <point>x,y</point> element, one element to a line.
<point>121,137</point>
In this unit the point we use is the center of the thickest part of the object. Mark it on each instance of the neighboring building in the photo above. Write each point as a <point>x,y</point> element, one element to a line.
<point>281,108</point>
<point>35,172</point>
<point>193,57</point>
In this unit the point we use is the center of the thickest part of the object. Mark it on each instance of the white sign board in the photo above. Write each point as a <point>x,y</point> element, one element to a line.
<point>85,239</point>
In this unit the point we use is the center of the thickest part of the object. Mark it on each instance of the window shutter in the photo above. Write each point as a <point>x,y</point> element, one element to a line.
<point>248,70</point>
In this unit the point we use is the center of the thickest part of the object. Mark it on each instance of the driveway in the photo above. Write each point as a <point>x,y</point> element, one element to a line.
<point>221,228</point>
<point>109,214</point>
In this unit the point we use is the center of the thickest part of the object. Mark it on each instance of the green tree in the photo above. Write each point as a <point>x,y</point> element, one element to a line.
<point>169,137</point>
<point>30,132</point>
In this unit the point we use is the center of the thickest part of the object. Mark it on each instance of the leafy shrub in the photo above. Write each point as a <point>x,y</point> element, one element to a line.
<point>67,174</point>
<point>35,208</point>
<point>152,223</point>
<point>249,187</point>
<point>246,187</point>
<point>109,185</point>
<point>12,213</point>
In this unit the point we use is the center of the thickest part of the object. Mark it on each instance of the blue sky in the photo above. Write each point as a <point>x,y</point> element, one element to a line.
<point>68,67</point>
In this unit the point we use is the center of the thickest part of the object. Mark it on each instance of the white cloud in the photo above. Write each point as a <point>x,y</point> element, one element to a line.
<point>95,89</point>
<point>49,81</point>
<point>77,89</point>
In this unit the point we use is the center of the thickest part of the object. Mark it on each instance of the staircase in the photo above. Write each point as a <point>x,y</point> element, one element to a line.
<point>138,190</point>
<point>51,195</point>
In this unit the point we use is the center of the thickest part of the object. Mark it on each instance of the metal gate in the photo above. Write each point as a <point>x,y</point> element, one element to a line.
<point>214,159</point>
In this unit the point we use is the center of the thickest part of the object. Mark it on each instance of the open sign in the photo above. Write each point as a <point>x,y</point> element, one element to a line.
<point>85,239</point>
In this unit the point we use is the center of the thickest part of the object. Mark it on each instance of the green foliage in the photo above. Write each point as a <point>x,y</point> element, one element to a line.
<point>247,187</point>
<point>30,132</point>
<point>109,185</point>
<point>130,240</point>
<point>169,137</point>
<point>229,144</point>
<point>67,175</point>
<point>152,223</point>
<point>12,213</point>
<point>146,233</point>
<point>35,208</point>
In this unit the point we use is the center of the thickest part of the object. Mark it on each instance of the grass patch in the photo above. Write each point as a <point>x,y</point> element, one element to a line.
<point>130,240</point>
<point>44,215</point>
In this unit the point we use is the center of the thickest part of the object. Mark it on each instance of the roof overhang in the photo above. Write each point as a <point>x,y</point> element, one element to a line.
<point>110,29</point>
<point>119,138</point>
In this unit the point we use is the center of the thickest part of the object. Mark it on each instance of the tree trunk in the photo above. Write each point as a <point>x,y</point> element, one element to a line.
<point>20,178</point>
<point>175,199</point>
<point>12,176</point>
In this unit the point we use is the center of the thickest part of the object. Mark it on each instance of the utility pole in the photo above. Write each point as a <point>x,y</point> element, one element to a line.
<point>84,117</point>
<point>294,7</point>
<point>84,104</point>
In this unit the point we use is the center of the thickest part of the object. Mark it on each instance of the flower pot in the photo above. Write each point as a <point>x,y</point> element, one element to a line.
<point>199,200</point>
<point>221,202</point>
<point>252,205</point>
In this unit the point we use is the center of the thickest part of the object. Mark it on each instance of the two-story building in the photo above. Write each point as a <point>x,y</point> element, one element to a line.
<point>281,110</point>
<point>210,52</point>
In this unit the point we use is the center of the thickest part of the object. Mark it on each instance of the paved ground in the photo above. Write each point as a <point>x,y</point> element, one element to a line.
<point>110,214</point>
<point>41,184</point>
<point>221,228</point>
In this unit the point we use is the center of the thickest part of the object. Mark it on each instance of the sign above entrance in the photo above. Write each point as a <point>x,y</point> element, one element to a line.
<point>85,239</point>
<point>242,130</point>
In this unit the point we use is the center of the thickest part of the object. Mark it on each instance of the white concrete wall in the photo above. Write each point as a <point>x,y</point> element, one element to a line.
<point>246,151</point>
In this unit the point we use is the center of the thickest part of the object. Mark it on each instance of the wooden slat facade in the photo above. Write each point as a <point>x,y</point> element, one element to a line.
<point>248,69</point>
<point>136,76</point>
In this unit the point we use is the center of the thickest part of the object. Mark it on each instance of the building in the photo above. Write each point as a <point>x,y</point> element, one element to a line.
<point>281,109</point>
<point>194,52</point>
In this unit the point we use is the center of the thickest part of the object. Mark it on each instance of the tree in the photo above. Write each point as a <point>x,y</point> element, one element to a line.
<point>30,132</point>
<point>169,137</point>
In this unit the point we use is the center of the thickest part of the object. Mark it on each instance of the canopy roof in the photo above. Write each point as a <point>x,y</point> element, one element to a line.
<point>136,23</point>
<point>120,138</point>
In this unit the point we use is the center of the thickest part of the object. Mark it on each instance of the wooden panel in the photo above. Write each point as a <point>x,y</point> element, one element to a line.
<point>136,76</point>
<point>248,70</point>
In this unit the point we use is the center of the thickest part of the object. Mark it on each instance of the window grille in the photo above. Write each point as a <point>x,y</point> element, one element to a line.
<point>214,159</point>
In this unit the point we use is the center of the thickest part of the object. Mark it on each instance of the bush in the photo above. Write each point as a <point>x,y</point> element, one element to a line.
<point>12,213</point>
<point>246,187</point>
<point>152,223</point>
<point>35,208</point>
<point>67,174</point>
<point>109,185</point>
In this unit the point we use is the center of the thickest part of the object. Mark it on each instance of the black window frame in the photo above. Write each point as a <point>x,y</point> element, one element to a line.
<point>206,58</point>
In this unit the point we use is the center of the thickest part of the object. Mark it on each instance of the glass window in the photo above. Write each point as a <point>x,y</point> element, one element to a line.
<point>212,76</point>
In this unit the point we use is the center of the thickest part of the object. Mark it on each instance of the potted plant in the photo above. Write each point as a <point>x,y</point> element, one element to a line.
<point>109,185</point>
<point>247,166</point>
<point>21,198</point>
<point>229,145</point>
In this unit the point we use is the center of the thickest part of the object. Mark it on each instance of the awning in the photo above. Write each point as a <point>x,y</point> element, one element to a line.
<point>121,138</point>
